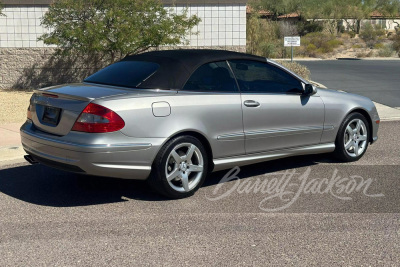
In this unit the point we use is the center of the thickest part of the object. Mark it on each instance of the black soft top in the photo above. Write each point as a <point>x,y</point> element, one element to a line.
<point>176,66</point>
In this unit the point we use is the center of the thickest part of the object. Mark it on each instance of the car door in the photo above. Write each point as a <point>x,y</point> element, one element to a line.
<point>211,101</point>
<point>276,114</point>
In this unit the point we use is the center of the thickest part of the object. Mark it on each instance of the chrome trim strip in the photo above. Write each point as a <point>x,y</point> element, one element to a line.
<point>231,137</point>
<point>328,127</point>
<point>128,167</point>
<point>225,163</point>
<point>132,146</point>
<point>282,132</point>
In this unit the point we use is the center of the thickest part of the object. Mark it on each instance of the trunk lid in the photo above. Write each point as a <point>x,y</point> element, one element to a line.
<point>55,109</point>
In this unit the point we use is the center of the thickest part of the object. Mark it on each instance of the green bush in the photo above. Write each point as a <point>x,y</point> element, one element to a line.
<point>396,43</point>
<point>311,48</point>
<point>267,49</point>
<point>334,43</point>
<point>379,46</point>
<point>372,34</point>
<point>364,54</point>
<point>262,36</point>
<point>319,43</point>
<point>305,27</point>
<point>351,33</point>
<point>356,46</point>
<point>386,51</point>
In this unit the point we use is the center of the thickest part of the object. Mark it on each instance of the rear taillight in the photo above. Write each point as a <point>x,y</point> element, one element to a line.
<point>98,119</point>
<point>29,113</point>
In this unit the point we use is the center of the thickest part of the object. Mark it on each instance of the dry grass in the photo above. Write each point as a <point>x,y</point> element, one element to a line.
<point>13,106</point>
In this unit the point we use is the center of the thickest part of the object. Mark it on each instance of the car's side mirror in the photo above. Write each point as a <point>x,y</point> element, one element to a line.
<point>309,89</point>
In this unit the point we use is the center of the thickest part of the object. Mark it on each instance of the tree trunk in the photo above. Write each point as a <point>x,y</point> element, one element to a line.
<point>358,26</point>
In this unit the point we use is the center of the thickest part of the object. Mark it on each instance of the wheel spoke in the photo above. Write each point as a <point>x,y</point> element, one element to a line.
<point>195,168</point>
<point>362,138</point>
<point>356,148</point>
<point>173,174</point>
<point>176,157</point>
<point>358,127</point>
<point>349,130</point>
<point>349,144</point>
<point>190,152</point>
<point>185,182</point>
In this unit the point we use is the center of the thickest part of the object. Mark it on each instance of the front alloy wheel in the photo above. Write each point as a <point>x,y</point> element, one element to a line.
<point>352,138</point>
<point>180,167</point>
<point>355,138</point>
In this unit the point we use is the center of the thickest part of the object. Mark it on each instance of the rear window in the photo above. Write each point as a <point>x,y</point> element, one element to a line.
<point>124,73</point>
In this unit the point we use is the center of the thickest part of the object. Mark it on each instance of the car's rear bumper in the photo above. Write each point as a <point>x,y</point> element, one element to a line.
<point>111,155</point>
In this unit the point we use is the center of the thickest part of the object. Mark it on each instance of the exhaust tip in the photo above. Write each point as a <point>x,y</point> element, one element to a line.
<point>30,159</point>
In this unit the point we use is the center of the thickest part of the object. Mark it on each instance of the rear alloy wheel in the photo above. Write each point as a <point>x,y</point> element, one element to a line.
<point>352,139</point>
<point>180,167</point>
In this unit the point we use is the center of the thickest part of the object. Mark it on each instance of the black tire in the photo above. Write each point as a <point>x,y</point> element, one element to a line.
<point>340,151</point>
<point>158,177</point>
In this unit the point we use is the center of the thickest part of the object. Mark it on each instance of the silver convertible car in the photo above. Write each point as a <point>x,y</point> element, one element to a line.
<point>171,117</point>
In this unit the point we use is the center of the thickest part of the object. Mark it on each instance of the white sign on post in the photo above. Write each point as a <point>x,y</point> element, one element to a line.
<point>292,41</point>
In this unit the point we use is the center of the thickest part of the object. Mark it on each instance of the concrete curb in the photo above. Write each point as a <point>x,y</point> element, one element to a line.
<point>387,113</point>
<point>11,155</point>
<point>11,151</point>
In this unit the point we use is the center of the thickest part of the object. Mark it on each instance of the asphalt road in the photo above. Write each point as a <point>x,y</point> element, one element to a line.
<point>49,217</point>
<point>376,79</point>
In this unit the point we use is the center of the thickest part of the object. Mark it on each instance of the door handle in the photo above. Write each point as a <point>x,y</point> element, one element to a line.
<point>251,103</point>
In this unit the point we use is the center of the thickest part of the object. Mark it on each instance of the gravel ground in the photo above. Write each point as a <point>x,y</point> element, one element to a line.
<point>13,106</point>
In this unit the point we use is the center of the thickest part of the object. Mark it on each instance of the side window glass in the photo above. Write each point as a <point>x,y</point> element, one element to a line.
<point>213,77</point>
<point>254,76</point>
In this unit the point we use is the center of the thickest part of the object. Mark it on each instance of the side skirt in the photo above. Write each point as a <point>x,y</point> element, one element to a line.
<point>226,163</point>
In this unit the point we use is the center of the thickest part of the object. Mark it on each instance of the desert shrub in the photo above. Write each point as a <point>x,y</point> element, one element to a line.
<point>379,46</point>
<point>316,38</point>
<point>386,51</point>
<point>350,33</point>
<point>287,28</point>
<point>297,68</point>
<point>305,27</point>
<point>396,42</point>
<point>372,34</point>
<point>319,43</point>
<point>311,48</point>
<point>345,36</point>
<point>356,46</point>
<point>335,43</point>
<point>267,49</point>
<point>262,36</point>
<point>365,54</point>
<point>330,27</point>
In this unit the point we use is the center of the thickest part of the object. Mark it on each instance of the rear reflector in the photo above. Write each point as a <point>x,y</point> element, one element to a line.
<point>378,121</point>
<point>98,119</point>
